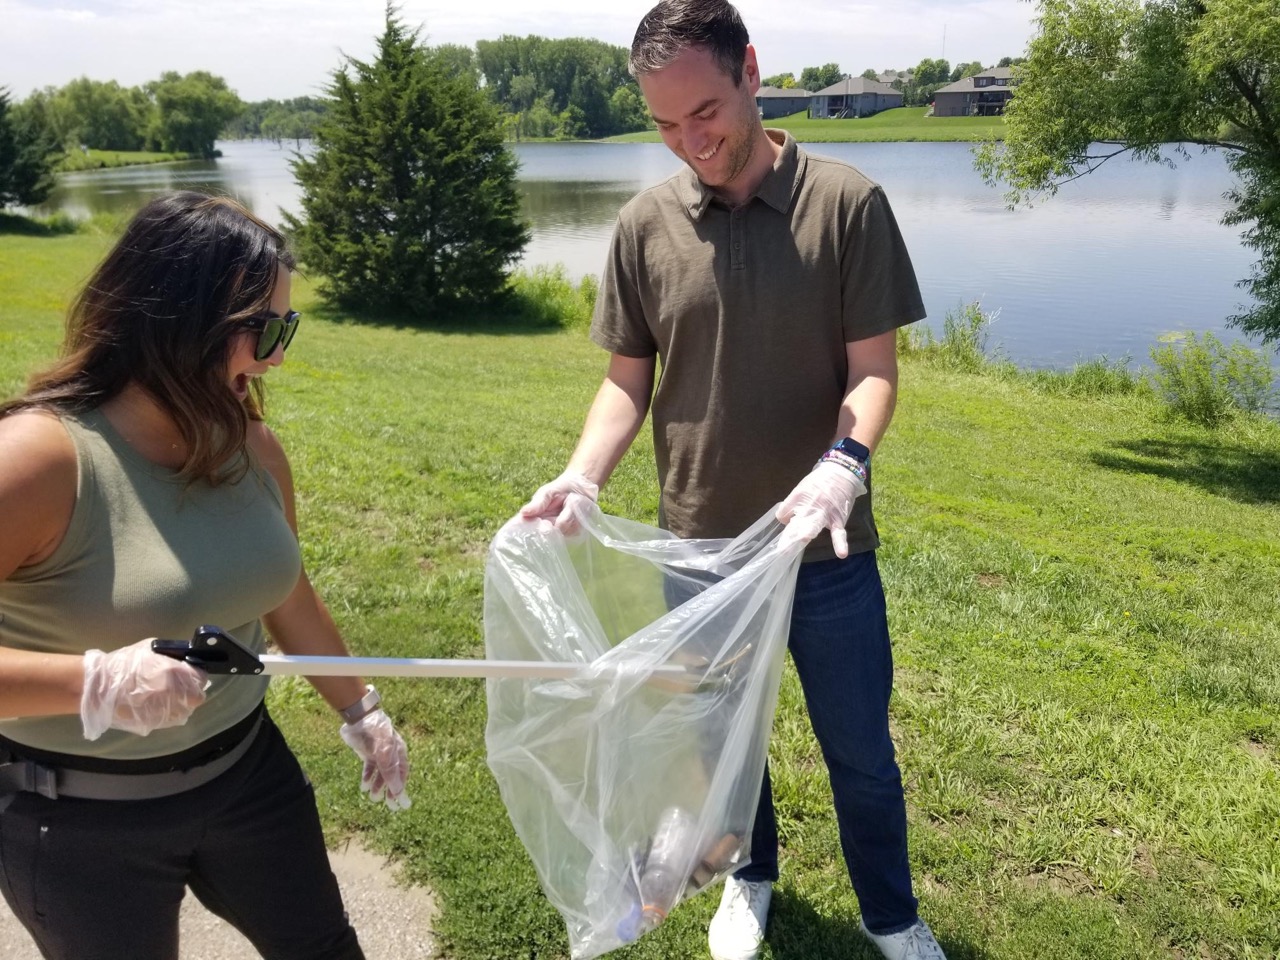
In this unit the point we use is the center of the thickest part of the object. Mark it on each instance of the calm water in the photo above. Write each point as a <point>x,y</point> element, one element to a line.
<point>1105,267</point>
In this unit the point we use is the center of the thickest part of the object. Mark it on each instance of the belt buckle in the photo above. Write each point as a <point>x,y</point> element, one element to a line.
<point>42,780</point>
<point>28,777</point>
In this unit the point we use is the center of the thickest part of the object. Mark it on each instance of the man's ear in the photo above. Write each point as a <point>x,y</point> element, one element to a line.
<point>751,70</point>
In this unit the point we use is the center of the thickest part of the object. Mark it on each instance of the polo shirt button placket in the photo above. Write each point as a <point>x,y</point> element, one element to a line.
<point>735,232</point>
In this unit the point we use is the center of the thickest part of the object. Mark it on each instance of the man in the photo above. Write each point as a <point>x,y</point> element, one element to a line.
<point>771,284</point>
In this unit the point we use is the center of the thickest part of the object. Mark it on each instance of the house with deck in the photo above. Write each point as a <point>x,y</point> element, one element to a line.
<point>983,95</point>
<point>854,97</point>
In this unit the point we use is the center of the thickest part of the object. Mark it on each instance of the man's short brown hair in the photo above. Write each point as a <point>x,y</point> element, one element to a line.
<point>673,26</point>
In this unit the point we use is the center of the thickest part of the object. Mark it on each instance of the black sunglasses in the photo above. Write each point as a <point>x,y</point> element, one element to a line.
<point>272,332</point>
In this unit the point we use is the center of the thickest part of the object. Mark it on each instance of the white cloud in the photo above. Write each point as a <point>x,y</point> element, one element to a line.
<point>285,48</point>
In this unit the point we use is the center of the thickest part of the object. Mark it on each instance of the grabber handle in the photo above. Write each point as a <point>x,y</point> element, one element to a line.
<point>212,650</point>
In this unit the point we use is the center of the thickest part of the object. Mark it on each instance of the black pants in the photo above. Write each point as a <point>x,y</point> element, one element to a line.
<point>103,879</point>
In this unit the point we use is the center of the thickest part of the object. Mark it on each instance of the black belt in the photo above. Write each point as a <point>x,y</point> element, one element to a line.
<point>22,774</point>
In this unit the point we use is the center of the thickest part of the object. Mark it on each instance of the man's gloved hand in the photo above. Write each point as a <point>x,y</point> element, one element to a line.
<point>550,500</point>
<point>386,759</point>
<point>821,501</point>
<point>136,690</point>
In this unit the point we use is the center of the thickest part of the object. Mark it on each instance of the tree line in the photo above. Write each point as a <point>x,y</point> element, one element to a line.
<point>177,113</point>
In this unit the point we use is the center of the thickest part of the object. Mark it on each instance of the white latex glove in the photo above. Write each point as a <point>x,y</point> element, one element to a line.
<point>136,690</point>
<point>549,501</point>
<point>386,759</point>
<point>821,501</point>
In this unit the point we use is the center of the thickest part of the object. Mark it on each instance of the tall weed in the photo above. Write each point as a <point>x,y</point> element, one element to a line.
<point>545,296</point>
<point>963,345</point>
<point>1204,381</point>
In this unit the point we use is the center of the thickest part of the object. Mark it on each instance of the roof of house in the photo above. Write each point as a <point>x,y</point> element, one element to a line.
<point>967,86</point>
<point>787,92</point>
<point>853,86</point>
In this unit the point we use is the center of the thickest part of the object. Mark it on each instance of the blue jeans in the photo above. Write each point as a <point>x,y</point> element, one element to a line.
<point>840,644</point>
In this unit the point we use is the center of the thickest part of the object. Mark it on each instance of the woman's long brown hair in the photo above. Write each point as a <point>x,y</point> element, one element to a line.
<point>160,311</point>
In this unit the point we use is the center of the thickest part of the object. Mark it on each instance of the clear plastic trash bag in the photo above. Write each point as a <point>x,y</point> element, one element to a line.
<point>635,786</point>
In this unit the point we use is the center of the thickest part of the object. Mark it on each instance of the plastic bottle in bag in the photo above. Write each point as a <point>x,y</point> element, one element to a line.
<point>666,870</point>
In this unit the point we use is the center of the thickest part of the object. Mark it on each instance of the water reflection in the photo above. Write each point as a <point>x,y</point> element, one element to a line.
<point>1105,267</point>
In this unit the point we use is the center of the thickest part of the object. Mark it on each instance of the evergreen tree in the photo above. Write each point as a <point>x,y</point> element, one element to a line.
<point>410,200</point>
<point>27,153</point>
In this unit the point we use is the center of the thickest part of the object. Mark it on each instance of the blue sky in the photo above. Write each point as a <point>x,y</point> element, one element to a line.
<point>287,48</point>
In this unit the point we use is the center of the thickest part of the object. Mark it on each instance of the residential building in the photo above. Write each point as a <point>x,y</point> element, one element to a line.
<point>854,97</point>
<point>982,95</point>
<point>773,102</point>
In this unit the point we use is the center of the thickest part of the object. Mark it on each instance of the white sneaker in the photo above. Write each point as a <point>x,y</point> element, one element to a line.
<point>737,929</point>
<point>914,943</point>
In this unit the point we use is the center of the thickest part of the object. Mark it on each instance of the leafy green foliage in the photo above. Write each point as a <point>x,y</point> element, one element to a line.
<point>191,111</point>
<point>410,202</point>
<point>928,76</point>
<point>1208,383</point>
<point>294,119</point>
<point>1108,77</point>
<point>969,69</point>
<point>175,114</point>
<point>814,79</point>
<point>28,152</point>
<point>98,115</point>
<point>784,81</point>
<point>566,88</point>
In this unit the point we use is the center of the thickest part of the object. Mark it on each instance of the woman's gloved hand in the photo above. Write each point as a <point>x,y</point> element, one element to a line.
<point>821,501</point>
<point>386,759</point>
<point>136,690</point>
<point>549,501</point>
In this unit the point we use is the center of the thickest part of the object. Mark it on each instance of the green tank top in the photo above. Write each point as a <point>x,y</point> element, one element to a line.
<point>146,555</point>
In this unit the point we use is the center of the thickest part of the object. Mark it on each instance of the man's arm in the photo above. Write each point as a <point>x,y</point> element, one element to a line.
<point>871,391</point>
<point>615,417</point>
<point>824,498</point>
<point>612,423</point>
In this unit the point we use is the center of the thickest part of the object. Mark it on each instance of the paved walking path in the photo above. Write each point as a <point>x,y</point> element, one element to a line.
<point>394,922</point>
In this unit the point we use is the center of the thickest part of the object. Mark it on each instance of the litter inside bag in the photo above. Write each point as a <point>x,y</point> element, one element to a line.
<point>634,786</point>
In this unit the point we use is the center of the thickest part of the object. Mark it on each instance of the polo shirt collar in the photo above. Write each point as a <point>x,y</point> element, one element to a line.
<point>776,189</point>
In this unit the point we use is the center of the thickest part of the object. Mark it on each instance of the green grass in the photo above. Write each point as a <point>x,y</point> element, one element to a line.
<point>901,123</point>
<point>1082,594</point>
<point>99,159</point>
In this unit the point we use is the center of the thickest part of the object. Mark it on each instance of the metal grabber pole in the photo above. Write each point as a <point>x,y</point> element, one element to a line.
<point>217,652</point>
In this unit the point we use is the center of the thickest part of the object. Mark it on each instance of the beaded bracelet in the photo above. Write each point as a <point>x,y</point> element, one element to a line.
<point>855,466</point>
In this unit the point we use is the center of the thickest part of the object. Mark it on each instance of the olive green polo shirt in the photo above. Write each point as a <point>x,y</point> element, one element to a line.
<point>749,309</point>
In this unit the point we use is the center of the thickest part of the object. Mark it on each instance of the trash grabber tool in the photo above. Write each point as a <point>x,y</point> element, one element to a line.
<point>215,651</point>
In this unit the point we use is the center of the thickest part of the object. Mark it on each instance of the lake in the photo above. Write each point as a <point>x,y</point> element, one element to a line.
<point>1106,267</point>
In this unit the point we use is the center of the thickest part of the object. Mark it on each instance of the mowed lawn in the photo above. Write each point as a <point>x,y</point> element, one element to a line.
<point>1082,594</point>
<point>900,123</point>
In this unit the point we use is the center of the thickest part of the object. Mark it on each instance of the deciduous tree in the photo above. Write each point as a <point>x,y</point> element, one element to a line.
<point>1104,78</point>
<point>191,111</point>
<point>814,79</point>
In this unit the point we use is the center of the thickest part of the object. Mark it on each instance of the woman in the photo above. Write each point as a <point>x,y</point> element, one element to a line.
<point>141,496</point>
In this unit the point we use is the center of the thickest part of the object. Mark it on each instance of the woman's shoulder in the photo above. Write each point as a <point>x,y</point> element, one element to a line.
<point>264,444</point>
<point>38,482</point>
<point>38,440</point>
